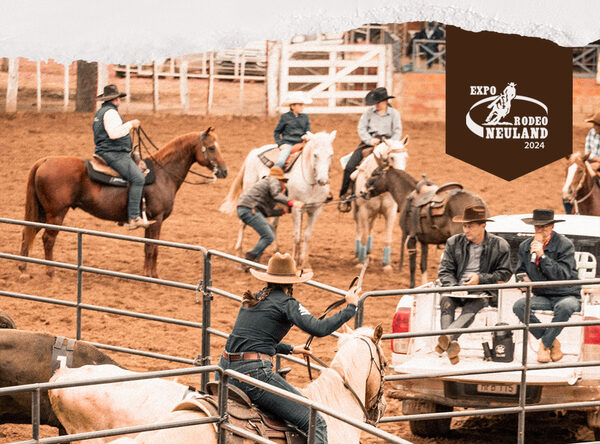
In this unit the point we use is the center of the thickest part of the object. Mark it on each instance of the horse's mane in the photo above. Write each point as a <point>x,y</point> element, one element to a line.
<point>405,176</point>
<point>175,149</point>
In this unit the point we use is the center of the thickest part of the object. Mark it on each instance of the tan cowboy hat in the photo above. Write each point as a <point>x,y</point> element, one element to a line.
<point>594,119</point>
<point>541,217</point>
<point>282,270</point>
<point>111,92</point>
<point>473,213</point>
<point>277,173</point>
<point>297,97</point>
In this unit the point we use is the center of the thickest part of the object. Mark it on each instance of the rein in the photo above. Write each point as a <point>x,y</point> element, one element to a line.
<point>580,185</point>
<point>140,131</point>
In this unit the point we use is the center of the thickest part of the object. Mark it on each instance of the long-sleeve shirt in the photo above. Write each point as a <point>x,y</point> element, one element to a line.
<point>261,328</point>
<point>592,143</point>
<point>373,124</point>
<point>114,126</point>
<point>557,264</point>
<point>290,128</point>
<point>263,196</point>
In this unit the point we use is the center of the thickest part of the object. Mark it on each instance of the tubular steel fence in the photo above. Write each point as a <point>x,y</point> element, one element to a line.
<point>206,288</point>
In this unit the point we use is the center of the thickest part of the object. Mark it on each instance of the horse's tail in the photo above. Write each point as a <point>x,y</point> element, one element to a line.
<point>228,205</point>
<point>34,212</point>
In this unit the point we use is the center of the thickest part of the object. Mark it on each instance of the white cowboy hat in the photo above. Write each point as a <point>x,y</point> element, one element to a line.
<point>297,97</point>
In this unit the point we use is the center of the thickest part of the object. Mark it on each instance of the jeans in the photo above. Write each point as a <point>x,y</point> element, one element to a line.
<point>286,409</point>
<point>563,307</point>
<point>286,150</point>
<point>470,307</point>
<point>259,223</point>
<point>126,167</point>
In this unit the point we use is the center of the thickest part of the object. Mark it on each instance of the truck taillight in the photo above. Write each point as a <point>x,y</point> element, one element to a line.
<point>401,324</point>
<point>591,333</point>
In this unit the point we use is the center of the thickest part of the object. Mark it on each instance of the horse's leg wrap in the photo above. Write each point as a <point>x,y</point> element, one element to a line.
<point>387,255</point>
<point>369,243</point>
<point>362,254</point>
<point>357,248</point>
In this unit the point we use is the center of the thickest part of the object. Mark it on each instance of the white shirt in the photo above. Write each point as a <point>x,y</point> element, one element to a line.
<point>114,126</point>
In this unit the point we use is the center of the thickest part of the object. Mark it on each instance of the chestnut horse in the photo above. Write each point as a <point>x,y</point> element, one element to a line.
<point>431,230</point>
<point>581,186</point>
<point>56,184</point>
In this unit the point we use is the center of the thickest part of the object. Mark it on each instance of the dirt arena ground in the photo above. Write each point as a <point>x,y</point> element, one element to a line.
<point>26,137</point>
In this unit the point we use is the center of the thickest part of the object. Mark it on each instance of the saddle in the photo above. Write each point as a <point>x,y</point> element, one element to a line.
<point>427,201</point>
<point>243,414</point>
<point>270,154</point>
<point>99,171</point>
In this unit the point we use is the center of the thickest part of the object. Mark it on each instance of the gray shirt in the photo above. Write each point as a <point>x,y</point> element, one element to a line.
<point>373,124</point>
<point>474,259</point>
<point>263,195</point>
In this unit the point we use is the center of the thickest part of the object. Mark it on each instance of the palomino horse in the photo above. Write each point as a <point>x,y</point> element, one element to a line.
<point>308,182</point>
<point>359,363</point>
<point>56,184</point>
<point>365,210</point>
<point>431,229</point>
<point>581,186</point>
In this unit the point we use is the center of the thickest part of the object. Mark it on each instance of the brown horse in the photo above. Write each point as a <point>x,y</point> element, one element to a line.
<point>581,186</point>
<point>56,184</point>
<point>430,230</point>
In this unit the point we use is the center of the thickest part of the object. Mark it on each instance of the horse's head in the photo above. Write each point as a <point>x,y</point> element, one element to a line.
<point>319,151</point>
<point>376,183</point>
<point>392,153</point>
<point>576,173</point>
<point>208,153</point>
<point>362,365</point>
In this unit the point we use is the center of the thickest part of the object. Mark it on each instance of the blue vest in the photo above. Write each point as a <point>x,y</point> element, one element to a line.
<point>101,140</point>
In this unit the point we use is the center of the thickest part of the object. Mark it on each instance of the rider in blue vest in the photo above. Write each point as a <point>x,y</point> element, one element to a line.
<point>113,144</point>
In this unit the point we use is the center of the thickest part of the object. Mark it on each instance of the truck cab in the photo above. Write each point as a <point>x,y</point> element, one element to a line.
<point>421,313</point>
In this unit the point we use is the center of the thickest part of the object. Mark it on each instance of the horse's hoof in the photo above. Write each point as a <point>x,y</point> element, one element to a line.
<point>24,277</point>
<point>387,268</point>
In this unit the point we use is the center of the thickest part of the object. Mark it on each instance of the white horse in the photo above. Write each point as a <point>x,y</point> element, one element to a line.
<point>365,211</point>
<point>359,362</point>
<point>308,181</point>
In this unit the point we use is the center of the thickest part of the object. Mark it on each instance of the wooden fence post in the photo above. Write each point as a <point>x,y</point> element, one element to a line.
<point>272,76</point>
<point>13,85</point>
<point>38,95</point>
<point>102,81</point>
<point>154,86</point>
<point>66,93</point>
<point>183,86</point>
<point>211,83</point>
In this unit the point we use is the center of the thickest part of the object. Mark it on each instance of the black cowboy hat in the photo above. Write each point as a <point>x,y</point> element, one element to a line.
<point>377,95</point>
<point>541,217</point>
<point>111,92</point>
<point>473,213</point>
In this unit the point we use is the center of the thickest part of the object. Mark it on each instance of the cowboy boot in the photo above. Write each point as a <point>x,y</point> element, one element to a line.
<point>453,350</point>
<point>556,353</point>
<point>442,345</point>
<point>249,257</point>
<point>543,354</point>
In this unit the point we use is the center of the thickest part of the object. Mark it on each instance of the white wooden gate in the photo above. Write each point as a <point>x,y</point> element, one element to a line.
<point>336,77</point>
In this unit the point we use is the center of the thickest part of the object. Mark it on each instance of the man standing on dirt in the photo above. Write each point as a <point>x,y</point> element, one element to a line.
<point>548,256</point>
<point>113,144</point>
<point>475,257</point>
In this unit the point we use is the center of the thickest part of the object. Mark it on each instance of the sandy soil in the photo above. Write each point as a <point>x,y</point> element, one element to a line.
<point>26,137</point>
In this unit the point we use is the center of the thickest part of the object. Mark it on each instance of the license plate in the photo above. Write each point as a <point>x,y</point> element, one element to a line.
<point>497,389</point>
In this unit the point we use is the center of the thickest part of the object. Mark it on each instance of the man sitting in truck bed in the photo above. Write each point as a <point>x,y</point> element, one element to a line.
<point>475,257</point>
<point>548,256</point>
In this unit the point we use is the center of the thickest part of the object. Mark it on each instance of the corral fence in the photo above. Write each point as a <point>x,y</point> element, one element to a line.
<point>206,288</point>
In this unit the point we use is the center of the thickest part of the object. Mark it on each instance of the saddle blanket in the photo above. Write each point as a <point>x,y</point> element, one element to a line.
<point>270,154</point>
<point>117,181</point>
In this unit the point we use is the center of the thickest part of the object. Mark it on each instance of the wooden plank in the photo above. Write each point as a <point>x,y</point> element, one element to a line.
<point>324,80</point>
<point>183,86</point>
<point>341,94</point>
<point>330,110</point>
<point>284,72</point>
<point>211,82</point>
<point>272,76</point>
<point>331,102</point>
<point>242,72</point>
<point>38,95</point>
<point>322,63</point>
<point>155,69</point>
<point>13,85</point>
<point>311,47</point>
<point>66,88</point>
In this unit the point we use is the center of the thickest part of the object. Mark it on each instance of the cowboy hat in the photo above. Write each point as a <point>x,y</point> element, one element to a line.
<point>282,270</point>
<point>473,213</point>
<point>594,119</point>
<point>277,173</point>
<point>377,95</point>
<point>541,217</point>
<point>297,97</point>
<point>111,92</point>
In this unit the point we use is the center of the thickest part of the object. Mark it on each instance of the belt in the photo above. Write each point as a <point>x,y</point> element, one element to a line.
<point>247,356</point>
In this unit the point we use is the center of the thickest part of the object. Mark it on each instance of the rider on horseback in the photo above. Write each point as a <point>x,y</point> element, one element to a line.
<point>292,126</point>
<point>377,122</point>
<point>113,144</point>
<point>262,322</point>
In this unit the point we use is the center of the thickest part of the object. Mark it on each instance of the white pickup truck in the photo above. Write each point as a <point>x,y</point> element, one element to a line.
<point>421,313</point>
